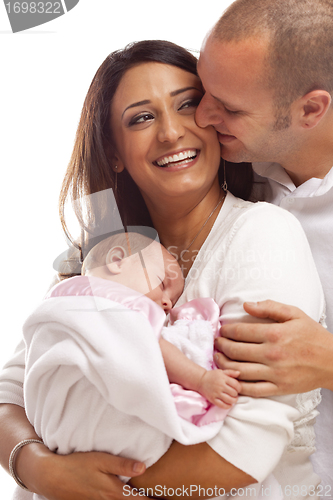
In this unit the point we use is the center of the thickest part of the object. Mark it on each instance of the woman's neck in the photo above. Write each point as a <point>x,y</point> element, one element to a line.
<point>183,225</point>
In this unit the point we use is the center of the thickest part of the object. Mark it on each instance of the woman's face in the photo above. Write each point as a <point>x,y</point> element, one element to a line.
<point>157,140</point>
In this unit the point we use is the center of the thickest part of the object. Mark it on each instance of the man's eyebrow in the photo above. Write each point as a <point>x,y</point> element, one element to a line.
<point>172,94</point>
<point>226,104</point>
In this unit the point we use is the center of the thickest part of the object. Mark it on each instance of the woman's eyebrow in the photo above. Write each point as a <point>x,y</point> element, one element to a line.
<point>140,103</point>
<point>180,91</point>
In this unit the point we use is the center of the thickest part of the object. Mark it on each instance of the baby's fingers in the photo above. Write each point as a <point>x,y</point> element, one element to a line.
<point>233,385</point>
<point>225,401</point>
<point>220,404</point>
<point>231,391</point>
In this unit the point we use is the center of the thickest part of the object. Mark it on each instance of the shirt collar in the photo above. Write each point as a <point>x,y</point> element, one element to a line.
<point>313,187</point>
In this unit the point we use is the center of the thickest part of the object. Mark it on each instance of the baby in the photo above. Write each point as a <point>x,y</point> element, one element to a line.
<point>144,265</point>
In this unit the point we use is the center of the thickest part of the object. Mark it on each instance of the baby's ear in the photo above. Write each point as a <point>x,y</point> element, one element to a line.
<point>114,259</point>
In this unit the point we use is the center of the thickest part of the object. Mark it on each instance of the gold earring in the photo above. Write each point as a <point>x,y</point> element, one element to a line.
<point>116,182</point>
<point>224,185</point>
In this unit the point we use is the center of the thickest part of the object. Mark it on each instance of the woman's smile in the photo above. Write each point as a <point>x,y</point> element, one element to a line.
<point>180,159</point>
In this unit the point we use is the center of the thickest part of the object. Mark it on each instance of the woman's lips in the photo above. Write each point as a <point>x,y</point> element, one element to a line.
<point>224,138</point>
<point>177,161</point>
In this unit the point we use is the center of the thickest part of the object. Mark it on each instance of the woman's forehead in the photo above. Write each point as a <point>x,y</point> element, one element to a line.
<point>152,79</point>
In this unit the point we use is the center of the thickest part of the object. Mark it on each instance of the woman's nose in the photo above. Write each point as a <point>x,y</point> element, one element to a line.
<point>208,113</point>
<point>171,129</point>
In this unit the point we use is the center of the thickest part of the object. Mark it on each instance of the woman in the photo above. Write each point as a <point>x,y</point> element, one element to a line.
<point>138,136</point>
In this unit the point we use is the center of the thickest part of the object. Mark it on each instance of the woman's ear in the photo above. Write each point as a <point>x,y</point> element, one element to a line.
<point>315,104</point>
<point>114,258</point>
<point>117,164</point>
<point>114,159</point>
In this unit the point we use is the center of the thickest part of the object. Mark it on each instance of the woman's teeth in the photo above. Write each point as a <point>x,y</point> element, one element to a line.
<point>180,158</point>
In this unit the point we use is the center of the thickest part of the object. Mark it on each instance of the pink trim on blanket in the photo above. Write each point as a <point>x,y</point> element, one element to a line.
<point>90,286</point>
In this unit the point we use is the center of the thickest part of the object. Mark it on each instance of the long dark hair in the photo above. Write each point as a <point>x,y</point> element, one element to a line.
<point>89,170</point>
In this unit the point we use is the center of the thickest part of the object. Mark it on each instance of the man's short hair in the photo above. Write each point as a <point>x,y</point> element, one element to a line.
<point>300,50</point>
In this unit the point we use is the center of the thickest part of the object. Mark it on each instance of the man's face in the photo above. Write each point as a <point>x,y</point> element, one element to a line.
<point>239,104</point>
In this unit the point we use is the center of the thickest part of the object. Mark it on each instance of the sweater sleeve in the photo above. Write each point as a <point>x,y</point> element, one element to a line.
<point>266,256</point>
<point>12,373</point>
<point>12,378</point>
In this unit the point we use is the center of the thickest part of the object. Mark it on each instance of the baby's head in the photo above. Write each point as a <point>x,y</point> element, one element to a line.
<point>140,263</point>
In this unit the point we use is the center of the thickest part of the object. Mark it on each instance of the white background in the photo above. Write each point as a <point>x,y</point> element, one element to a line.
<point>45,74</point>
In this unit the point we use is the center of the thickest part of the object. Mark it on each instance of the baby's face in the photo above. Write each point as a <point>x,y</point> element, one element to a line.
<point>169,278</point>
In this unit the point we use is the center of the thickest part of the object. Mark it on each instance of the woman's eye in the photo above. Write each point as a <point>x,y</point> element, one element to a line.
<point>190,103</point>
<point>136,120</point>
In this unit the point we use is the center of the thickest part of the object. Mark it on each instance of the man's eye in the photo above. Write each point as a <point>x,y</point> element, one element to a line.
<point>231,112</point>
<point>145,117</point>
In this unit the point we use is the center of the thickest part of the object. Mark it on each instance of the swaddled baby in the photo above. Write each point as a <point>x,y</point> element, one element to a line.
<point>130,259</point>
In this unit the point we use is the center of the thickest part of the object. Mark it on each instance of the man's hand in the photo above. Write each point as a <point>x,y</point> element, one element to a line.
<point>294,354</point>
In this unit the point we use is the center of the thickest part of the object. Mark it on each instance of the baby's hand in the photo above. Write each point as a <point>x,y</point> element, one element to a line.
<point>220,387</point>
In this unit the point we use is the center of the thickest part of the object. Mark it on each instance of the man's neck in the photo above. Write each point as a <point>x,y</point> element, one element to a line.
<point>318,169</point>
<point>313,157</point>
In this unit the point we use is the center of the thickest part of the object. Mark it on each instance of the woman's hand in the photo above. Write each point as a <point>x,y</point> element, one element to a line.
<point>289,356</point>
<point>78,476</point>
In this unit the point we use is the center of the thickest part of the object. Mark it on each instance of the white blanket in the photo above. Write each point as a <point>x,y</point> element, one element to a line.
<point>95,380</point>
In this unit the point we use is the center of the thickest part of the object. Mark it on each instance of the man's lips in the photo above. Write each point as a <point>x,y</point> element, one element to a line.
<point>224,138</point>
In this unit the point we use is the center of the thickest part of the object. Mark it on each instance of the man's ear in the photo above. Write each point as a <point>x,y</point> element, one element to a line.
<point>314,106</point>
<point>114,258</point>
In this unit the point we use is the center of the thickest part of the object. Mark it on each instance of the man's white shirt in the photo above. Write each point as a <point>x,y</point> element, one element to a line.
<point>312,204</point>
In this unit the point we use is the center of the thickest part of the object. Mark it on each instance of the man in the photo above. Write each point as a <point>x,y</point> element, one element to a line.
<point>267,69</point>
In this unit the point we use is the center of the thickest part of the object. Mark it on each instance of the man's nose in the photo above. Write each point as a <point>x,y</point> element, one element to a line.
<point>208,112</point>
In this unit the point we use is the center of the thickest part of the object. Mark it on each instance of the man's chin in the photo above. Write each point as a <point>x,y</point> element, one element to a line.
<point>233,156</point>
